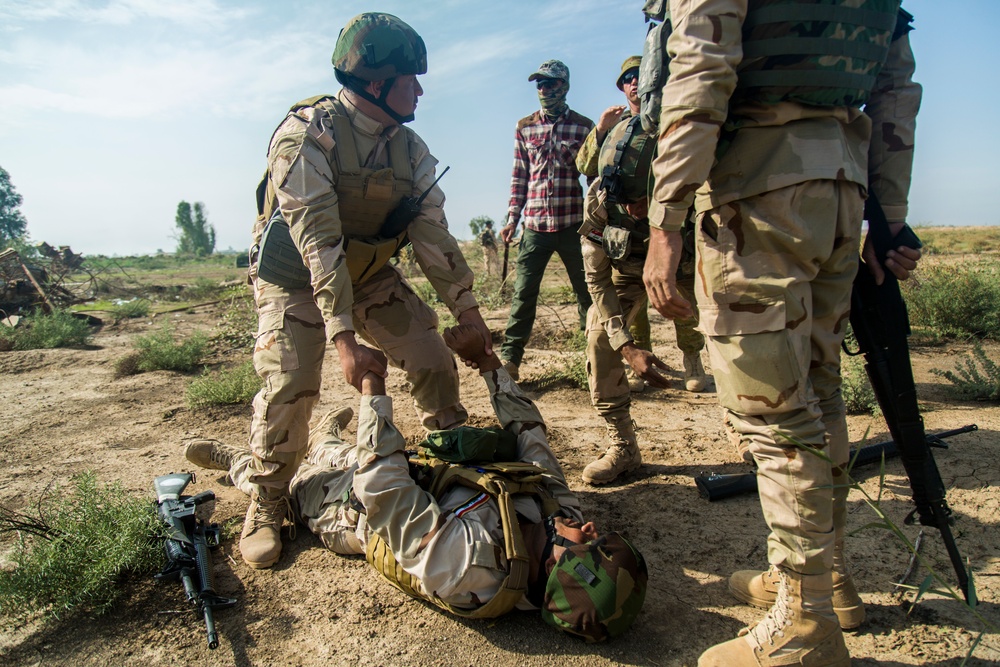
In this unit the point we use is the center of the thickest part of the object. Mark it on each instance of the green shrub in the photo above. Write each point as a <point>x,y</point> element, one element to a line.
<point>239,322</point>
<point>43,331</point>
<point>957,299</point>
<point>975,377</point>
<point>75,550</point>
<point>132,309</point>
<point>160,351</point>
<point>236,386</point>
<point>572,367</point>
<point>859,397</point>
<point>203,288</point>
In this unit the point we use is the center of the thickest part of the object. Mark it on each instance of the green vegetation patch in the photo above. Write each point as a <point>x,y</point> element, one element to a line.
<point>975,377</point>
<point>235,386</point>
<point>161,350</point>
<point>76,546</point>
<point>43,331</point>
<point>957,299</point>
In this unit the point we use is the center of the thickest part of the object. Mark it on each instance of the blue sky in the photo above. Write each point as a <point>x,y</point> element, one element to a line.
<point>113,111</point>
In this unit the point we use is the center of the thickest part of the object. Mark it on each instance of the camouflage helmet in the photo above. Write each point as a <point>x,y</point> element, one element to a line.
<point>596,589</point>
<point>631,63</point>
<point>375,46</point>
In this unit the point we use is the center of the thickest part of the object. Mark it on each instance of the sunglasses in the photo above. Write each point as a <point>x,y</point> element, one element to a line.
<point>547,84</point>
<point>630,77</point>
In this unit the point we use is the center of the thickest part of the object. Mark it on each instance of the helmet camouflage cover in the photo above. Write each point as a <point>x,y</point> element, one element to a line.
<point>596,589</point>
<point>375,46</point>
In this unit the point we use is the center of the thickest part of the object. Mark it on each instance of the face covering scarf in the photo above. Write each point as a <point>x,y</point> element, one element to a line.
<point>554,100</point>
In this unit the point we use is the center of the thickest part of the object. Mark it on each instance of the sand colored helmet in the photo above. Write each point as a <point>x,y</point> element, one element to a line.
<point>596,590</point>
<point>632,62</point>
<point>375,46</point>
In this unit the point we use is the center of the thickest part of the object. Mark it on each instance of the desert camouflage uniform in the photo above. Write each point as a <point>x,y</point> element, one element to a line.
<point>689,339</point>
<point>620,299</point>
<point>295,324</point>
<point>454,544</point>
<point>491,260</point>
<point>779,199</point>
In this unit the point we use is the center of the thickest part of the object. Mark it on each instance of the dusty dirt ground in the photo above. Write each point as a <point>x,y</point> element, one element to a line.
<point>63,412</point>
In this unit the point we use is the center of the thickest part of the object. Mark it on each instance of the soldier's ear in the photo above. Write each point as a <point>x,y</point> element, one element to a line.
<point>374,88</point>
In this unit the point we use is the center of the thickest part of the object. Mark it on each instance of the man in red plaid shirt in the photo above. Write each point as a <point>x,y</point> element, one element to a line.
<point>546,186</point>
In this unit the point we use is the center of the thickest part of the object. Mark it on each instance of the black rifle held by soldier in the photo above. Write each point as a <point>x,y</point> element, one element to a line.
<point>719,487</point>
<point>187,545</point>
<point>881,327</point>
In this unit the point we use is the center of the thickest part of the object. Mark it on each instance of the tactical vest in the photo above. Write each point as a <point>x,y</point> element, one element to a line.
<point>365,196</point>
<point>502,481</point>
<point>653,69</point>
<point>816,52</point>
<point>623,163</point>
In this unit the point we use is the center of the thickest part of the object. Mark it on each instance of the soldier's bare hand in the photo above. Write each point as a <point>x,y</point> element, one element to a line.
<point>901,261</point>
<point>472,317</point>
<point>610,118</point>
<point>466,340</point>
<point>645,363</point>
<point>358,360</point>
<point>659,274</point>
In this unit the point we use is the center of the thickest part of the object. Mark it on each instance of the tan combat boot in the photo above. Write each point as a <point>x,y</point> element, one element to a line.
<point>513,370</point>
<point>622,456</point>
<point>800,629</point>
<point>759,589</point>
<point>212,454</point>
<point>694,373</point>
<point>260,541</point>
<point>332,424</point>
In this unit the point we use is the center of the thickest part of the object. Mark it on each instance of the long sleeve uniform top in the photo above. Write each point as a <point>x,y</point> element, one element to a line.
<point>302,160</point>
<point>453,545</point>
<point>768,146</point>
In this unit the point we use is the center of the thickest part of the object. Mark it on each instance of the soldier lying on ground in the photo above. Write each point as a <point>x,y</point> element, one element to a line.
<point>450,548</point>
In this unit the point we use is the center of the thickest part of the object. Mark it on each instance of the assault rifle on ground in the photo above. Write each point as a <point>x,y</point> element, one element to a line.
<point>187,545</point>
<point>718,487</point>
<point>881,326</point>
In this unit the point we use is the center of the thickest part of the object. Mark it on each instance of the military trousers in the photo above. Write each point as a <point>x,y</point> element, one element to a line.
<point>534,252</point>
<point>288,356</point>
<point>609,392</point>
<point>773,288</point>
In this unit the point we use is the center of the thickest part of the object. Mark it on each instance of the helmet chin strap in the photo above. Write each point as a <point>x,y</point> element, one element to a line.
<point>382,104</point>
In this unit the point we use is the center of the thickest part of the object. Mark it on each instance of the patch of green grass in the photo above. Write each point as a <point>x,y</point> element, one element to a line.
<point>73,551</point>
<point>127,310</point>
<point>160,350</point>
<point>859,397</point>
<point>957,299</point>
<point>975,377</point>
<point>235,386</point>
<point>203,289</point>
<point>43,331</point>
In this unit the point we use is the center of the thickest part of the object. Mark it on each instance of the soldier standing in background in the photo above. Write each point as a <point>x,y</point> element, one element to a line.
<point>338,166</point>
<point>488,240</point>
<point>545,185</point>
<point>770,134</point>
<point>689,340</point>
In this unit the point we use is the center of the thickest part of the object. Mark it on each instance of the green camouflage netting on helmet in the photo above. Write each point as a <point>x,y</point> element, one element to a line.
<point>374,47</point>
<point>596,590</point>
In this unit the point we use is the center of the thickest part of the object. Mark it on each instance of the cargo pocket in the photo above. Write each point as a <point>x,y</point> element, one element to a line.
<point>274,349</point>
